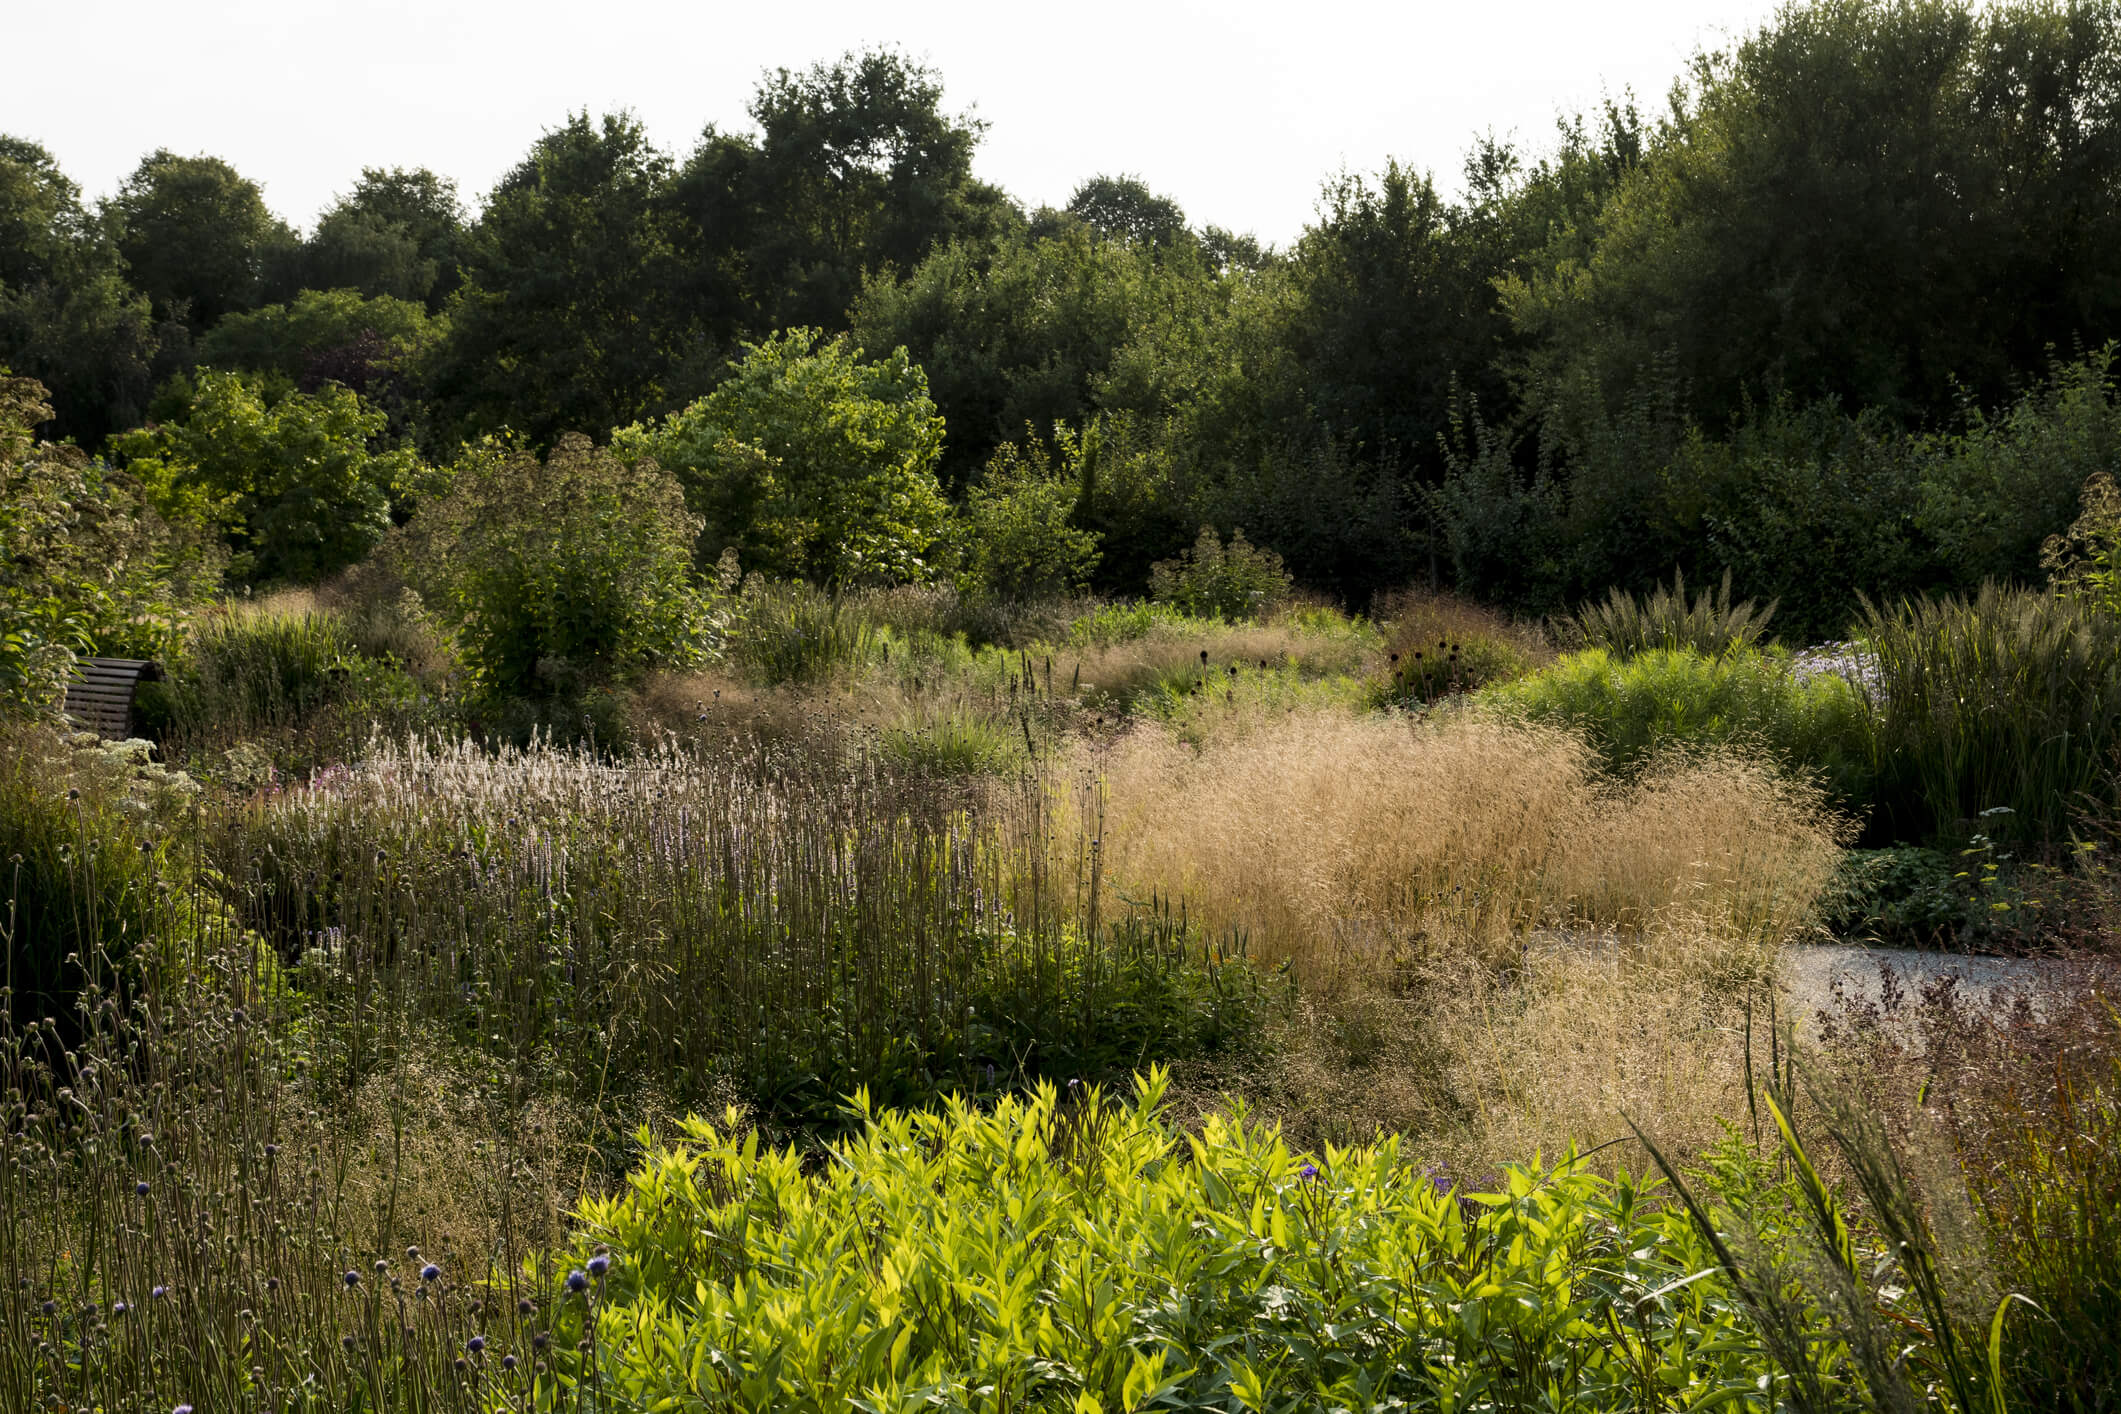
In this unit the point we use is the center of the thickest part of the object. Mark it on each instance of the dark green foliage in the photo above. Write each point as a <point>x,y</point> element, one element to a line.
<point>196,236</point>
<point>67,317</point>
<point>1999,713</point>
<point>1123,208</point>
<point>566,321</point>
<point>1905,896</point>
<point>398,233</point>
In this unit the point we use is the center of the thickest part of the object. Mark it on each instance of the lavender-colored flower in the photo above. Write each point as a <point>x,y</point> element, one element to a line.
<point>577,1280</point>
<point>159,1292</point>
<point>430,1272</point>
<point>599,1264</point>
<point>181,1409</point>
<point>119,1308</point>
<point>1307,1172</point>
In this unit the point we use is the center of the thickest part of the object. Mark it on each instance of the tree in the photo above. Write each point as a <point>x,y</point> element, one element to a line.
<point>292,482</point>
<point>1123,208</point>
<point>398,233</point>
<point>290,339</point>
<point>856,168</point>
<point>66,315</point>
<point>558,573</point>
<point>196,236</point>
<point>1891,205</point>
<point>85,562</point>
<point>813,461</point>
<point>565,321</point>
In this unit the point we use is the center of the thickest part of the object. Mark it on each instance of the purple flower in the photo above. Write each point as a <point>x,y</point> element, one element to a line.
<point>181,1409</point>
<point>352,1278</point>
<point>1307,1172</point>
<point>476,1344</point>
<point>599,1264</point>
<point>577,1281</point>
<point>159,1292</point>
<point>430,1272</point>
<point>119,1308</point>
<point>141,1188</point>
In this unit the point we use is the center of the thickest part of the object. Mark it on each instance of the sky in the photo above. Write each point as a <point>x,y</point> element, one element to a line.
<point>1240,110</point>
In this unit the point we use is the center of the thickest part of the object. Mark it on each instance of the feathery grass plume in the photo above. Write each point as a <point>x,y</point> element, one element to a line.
<point>1665,618</point>
<point>1999,714</point>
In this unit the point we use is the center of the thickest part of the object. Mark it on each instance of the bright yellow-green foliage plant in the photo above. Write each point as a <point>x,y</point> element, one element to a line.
<point>813,461</point>
<point>1065,1253</point>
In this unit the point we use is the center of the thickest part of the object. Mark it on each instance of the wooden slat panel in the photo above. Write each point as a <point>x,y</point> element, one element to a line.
<point>100,697</point>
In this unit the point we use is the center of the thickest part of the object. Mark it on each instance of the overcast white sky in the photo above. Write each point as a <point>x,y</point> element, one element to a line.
<point>1238,109</point>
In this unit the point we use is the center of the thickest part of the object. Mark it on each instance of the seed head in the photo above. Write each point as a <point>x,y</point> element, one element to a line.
<point>352,1278</point>
<point>476,1345</point>
<point>141,1188</point>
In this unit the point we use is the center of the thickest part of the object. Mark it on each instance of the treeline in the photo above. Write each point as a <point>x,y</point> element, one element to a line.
<point>1834,319</point>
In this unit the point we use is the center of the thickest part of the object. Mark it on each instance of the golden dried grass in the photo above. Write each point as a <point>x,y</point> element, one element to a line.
<point>1343,844</point>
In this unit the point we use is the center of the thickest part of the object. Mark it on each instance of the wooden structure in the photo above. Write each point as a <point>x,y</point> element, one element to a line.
<point>100,696</point>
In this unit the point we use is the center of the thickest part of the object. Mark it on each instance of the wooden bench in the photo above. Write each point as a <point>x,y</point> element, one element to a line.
<point>100,696</point>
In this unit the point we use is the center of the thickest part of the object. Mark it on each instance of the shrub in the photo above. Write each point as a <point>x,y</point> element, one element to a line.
<point>559,574</point>
<point>293,480</point>
<point>1709,623</point>
<point>813,461</point>
<point>1633,710</point>
<point>86,564</point>
<point>2085,561</point>
<point>1020,539</point>
<point>1233,581</point>
<point>2003,709</point>
<point>1438,645</point>
<point>1071,1254</point>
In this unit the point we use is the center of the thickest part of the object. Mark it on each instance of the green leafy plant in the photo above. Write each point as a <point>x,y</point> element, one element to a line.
<point>561,573</point>
<point>813,461</point>
<point>1230,581</point>
<point>293,480</point>
<point>1063,1251</point>
<point>1020,538</point>
<point>792,632</point>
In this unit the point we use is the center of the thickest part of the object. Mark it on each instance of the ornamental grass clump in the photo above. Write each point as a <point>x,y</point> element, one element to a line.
<point>1709,623</point>
<point>2000,713</point>
<point>1064,1251</point>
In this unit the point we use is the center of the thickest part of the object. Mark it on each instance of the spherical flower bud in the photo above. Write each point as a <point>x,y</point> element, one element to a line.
<point>599,1264</point>
<point>430,1272</point>
<point>352,1277</point>
<point>141,1188</point>
<point>577,1280</point>
<point>476,1344</point>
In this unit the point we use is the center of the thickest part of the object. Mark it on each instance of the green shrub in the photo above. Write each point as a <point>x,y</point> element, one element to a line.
<point>1020,538</point>
<point>1665,618</point>
<point>792,632</point>
<point>562,574</point>
<point>1234,581</point>
<point>81,864</point>
<point>1630,710</point>
<point>2003,709</point>
<point>1072,1254</point>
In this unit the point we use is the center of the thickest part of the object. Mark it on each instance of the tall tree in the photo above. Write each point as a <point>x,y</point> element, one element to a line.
<point>67,317</point>
<point>1123,207</point>
<point>196,236</point>
<point>856,167</point>
<point>399,233</point>
<point>566,321</point>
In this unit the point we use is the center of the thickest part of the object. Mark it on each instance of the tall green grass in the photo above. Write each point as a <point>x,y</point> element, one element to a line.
<point>794,633</point>
<point>1633,709</point>
<point>1665,618</point>
<point>1998,714</point>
